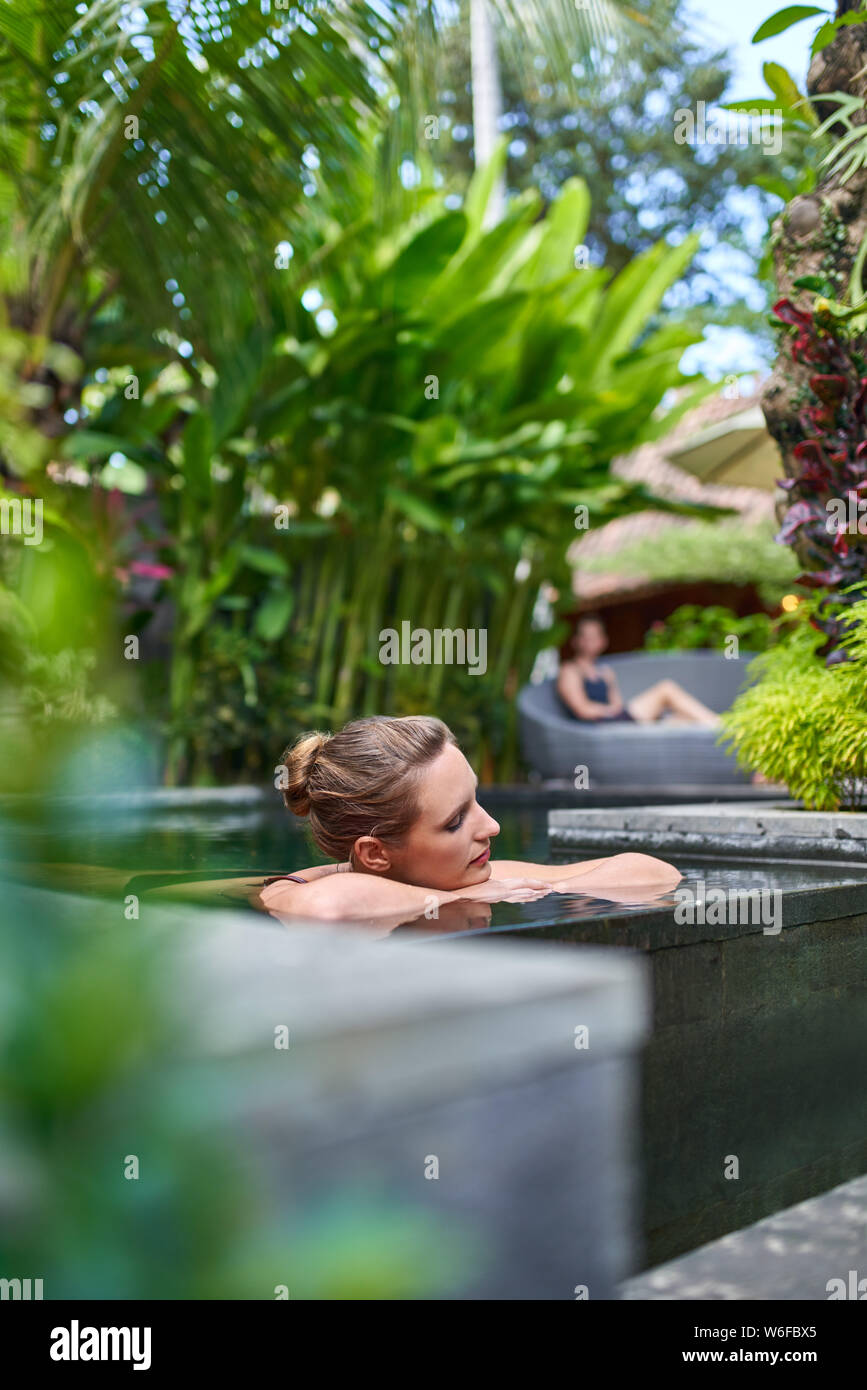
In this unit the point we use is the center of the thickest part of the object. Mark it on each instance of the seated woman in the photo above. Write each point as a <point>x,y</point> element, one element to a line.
<point>393,801</point>
<point>591,693</point>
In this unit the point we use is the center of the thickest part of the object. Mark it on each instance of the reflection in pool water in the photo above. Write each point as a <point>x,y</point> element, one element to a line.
<point>701,879</point>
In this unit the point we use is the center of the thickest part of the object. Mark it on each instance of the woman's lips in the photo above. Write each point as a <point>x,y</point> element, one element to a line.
<point>483,857</point>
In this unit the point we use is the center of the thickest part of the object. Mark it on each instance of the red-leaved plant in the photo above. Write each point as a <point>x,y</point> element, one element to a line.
<point>831,458</point>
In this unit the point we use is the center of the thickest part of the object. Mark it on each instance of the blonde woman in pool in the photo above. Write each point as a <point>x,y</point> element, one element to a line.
<point>393,801</point>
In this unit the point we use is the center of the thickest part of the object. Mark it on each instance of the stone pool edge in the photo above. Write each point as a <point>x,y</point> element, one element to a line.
<point>737,830</point>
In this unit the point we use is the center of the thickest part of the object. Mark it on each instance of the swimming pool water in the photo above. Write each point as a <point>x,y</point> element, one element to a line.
<point>252,837</point>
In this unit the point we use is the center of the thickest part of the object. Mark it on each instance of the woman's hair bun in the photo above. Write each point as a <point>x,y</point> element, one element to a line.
<point>361,781</point>
<point>299,762</point>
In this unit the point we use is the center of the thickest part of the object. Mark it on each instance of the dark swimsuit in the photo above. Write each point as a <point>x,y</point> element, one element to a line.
<point>597,690</point>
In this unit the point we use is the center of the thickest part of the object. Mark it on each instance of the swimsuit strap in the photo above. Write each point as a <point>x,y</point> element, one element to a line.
<point>277,878</point>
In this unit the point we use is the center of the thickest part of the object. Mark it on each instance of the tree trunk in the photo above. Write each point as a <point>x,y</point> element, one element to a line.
<point>819,234</point>
<point>487,99</point>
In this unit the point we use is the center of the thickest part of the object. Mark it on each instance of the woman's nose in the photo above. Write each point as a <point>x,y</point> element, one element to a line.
<point>489,825</point>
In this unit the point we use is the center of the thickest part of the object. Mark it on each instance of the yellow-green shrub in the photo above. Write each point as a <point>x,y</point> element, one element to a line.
<point>803,723</point>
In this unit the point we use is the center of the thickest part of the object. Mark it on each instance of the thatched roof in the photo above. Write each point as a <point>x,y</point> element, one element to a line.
<point>649,464</point>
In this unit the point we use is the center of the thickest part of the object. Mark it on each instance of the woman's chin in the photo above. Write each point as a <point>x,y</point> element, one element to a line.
<point>478,873</point>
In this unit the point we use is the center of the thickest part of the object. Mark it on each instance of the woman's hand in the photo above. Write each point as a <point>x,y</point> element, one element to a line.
<point>506,890</point>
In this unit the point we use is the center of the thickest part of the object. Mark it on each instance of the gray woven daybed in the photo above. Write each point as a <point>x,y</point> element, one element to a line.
<point>554,744</point>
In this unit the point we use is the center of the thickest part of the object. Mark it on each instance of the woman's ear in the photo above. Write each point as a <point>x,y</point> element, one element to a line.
<point>371,854</point>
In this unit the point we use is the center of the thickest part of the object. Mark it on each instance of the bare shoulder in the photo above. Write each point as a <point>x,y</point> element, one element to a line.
<point>568,673</point>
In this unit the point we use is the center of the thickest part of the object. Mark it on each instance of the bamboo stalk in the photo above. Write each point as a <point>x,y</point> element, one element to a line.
<point>404,601</point>
<point>352,640</point>
<point>324,572</point>
<point>363,600</point>
<point>453,610</point>
<point>325,685</point>
<point>307,589</point>
<point>373,684</point>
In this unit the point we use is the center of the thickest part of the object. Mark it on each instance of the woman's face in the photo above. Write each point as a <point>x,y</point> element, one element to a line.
<point>591,640</point>
<point>449,846</point>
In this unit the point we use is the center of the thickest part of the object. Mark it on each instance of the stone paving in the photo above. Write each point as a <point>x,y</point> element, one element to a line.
<point>815,1250</point>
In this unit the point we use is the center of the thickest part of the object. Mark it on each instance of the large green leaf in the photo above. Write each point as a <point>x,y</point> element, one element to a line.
<point>420,512</point>
<point>469,274</point>
<point>481,187</point>
<point>783,19</point>
<point>794,103</point>
<point>481,339</point>
<point>272,617</point>
<point>92,444</point>
<point>258,557</point>
<point>564,230</point>
<point>405,283</point>
<point>635,296</point>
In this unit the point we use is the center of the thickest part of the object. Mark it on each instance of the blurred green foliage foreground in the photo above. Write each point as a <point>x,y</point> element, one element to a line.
<point>126,1170</point>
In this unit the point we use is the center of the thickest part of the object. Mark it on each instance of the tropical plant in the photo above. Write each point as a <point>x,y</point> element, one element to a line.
<point>711,626</point>
<point>831,460</point>
<point>811,400</point>
<point>147,172</point>
<point>151,163</point>
<point>425,400</point>
<point>51,602</point>
<point>148,165</point>
<point>577,41</point>
<point>611,124</point>
<point>841,152</point>
<point>790,15</point>
<point>804,723</point>
<point>796,170</point>
<point>410,442</point>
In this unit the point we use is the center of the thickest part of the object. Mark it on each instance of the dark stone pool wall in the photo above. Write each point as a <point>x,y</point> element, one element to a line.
<point>757,1053</point>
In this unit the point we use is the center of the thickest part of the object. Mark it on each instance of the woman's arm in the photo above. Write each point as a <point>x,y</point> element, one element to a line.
<point>335,897</point>
<point>617,870</point>
<point>356,897</point>
<point>615,699</point>
<point>550,873</point>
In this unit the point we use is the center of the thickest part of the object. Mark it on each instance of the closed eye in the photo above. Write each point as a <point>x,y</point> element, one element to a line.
<point>460,814</point>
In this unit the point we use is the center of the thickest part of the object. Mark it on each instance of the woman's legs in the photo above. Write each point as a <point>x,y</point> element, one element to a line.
<point>647,707</point>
